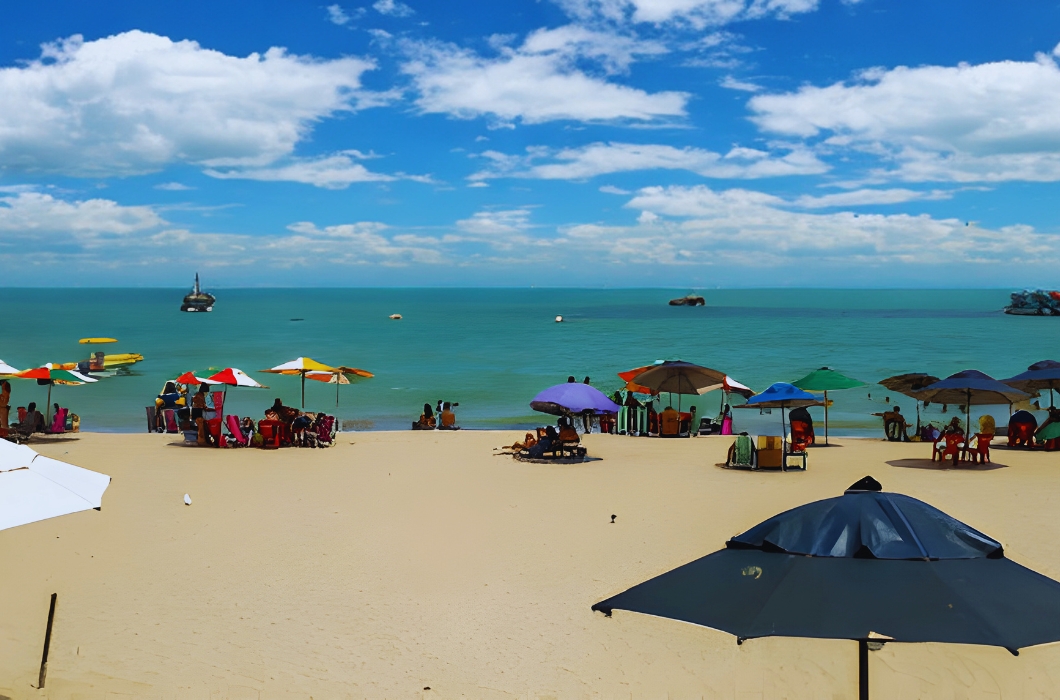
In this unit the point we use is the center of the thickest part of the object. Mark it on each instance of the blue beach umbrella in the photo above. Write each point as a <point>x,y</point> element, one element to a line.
<point>1040,375</point>
<point>572,397</point>
<point>783,396</point>
<point>969,387</point>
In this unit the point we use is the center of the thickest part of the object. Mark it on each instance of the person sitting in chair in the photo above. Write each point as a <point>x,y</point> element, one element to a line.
<point>953,427</point>
<point>895,426</point>
<point>545,444</point>
<point>800,414</point>
<point>34,421</point>
<point>669,421</point>
<point>448,417</point>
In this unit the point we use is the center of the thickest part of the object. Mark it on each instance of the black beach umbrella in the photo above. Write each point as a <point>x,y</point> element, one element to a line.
<point>1040,375</point>
<point>970,387</point>
<point>908,384</point>
<point>868,566</point>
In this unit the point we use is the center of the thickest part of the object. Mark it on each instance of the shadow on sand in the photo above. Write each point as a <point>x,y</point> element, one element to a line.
<point>946,465</point>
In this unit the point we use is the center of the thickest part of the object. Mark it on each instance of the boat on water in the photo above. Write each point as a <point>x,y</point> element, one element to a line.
<point>198,300</point>
<point>1034,302</point>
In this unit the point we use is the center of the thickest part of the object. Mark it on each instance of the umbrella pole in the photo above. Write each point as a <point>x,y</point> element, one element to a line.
<point>826,417</point>
<point>336,391</point>
<point>863,670</point>
<point>48,408</point>
<point>303,390</point>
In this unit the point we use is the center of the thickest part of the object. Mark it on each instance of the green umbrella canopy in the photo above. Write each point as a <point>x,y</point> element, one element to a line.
<point>826,379</point>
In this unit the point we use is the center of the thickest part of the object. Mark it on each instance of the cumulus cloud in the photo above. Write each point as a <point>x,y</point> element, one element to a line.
<point>603,158</point>
<point>966,123</point>
<point>748,229</point>
<point>392,8</point>
<point>135,102</point>
<point>540,81</point>
<point>30,215</point>
<point>731,83</point>
<point>695,13</point>
<point>334,172</point>
<point>39,229</point>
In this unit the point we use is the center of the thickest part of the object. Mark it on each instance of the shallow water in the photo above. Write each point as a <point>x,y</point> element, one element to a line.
<point>492,350</point>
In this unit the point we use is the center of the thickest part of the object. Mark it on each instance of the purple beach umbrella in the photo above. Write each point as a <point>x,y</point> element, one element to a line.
<point>572,397</point>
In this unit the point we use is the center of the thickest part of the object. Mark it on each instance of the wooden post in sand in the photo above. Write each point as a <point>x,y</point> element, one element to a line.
<point>47,643</point>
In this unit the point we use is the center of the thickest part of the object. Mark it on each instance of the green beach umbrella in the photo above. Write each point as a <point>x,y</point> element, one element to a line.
<point>826,379</point>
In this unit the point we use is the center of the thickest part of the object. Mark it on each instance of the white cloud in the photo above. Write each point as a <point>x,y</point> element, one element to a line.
<point>392,8</point>
<point>731,83</point>
<point>490,224</point>
<point>695,13</point>
<point>611,189</point>
<point>333,172</point>
<point>866,197</point>
<point>39,229</point>
<point>604,158</point>
<point>173,187</point>
<point>134,102</point>
<point>540,81</point>
<point>700,226</point>
<point>967,123</point>
<point>32,215</point>
<point>336,15</point>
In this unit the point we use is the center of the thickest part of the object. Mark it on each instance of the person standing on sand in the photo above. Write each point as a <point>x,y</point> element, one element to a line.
<point>5,403</point>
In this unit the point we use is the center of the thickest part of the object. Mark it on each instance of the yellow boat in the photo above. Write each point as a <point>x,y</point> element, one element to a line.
<point>96,341</point>
<point>115,361</point>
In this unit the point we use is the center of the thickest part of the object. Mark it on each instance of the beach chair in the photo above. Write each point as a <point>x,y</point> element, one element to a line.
<point>236,431</point>
<point>325,430</point>
<point>949,445</point>
<point>271,432</point>
<point>981,451</point>
<point>218,398</point>
<point>169,415</point>
<point>741,453</point>
<point>770,453</point>
<point>801,436</point>
<point>213,430</point>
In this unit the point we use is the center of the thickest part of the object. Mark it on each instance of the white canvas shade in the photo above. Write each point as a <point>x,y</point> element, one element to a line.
<point>34,487</point>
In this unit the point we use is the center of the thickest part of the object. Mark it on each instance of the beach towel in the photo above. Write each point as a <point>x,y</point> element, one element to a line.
<point>743,452</point>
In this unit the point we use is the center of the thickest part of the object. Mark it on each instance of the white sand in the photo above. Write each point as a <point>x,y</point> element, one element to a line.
<point>412,560</point>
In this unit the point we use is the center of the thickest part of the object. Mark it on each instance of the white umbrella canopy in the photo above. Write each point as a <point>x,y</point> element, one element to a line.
<point>34,487</point>
<point>7,369</point>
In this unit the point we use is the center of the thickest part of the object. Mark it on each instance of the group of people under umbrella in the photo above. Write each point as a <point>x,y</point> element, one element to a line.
<point>282,425</point>
<point>965,388</point>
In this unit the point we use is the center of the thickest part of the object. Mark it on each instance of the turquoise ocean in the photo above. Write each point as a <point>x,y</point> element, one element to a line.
<point>492,350</point>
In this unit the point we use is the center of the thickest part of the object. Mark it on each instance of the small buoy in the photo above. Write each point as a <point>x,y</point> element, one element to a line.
<point>395,317</point>
<point>559,319</point>
<point>187,500</point>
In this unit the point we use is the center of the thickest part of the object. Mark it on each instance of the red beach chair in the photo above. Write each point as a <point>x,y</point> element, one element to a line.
<point>981,451</point>
<point>170,417</point>
<point>213,427</point>
<point>237,432</point>
<point>949,445</point>
<point>801,436</point>
<point>271,432</point>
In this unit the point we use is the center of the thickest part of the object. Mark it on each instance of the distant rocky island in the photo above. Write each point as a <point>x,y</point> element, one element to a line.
<point>690,300</point>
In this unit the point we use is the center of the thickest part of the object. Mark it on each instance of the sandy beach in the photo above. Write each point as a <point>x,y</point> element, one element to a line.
<point>420,565</point>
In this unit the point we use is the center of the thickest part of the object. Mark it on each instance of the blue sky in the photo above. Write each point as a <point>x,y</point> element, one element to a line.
<point>687,143</point>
